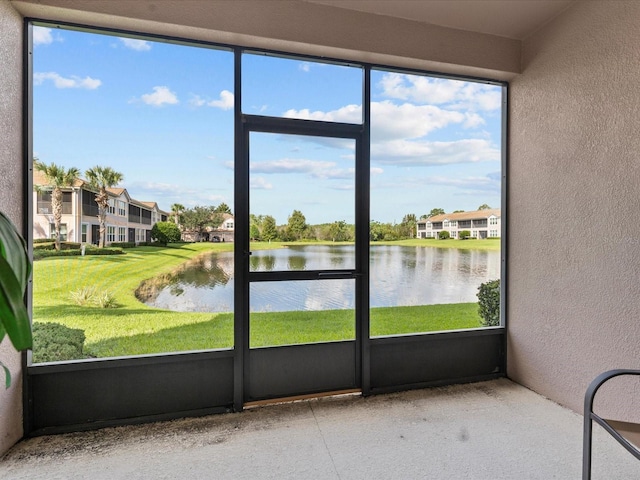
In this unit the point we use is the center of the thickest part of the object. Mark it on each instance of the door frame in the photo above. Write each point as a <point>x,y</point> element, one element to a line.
<point>243,277</point>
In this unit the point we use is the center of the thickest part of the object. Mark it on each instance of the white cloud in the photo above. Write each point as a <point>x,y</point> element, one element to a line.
<point>304,66</point>
<point>135,44</point>
<point>312,168</point>
<point>59,81</point>
<point>259,183</point>
<point>391,121</point>
<point>423,153</point>
<point>438,91</point>
<point>166,194</point>
<point>160,96</point>
<point>197,101</point>
<point>225,101</point>
<point>289,165</point>
<point>472,120</point>
<point>347,114</point>
<point>42,36</point>
<point>470,185</point>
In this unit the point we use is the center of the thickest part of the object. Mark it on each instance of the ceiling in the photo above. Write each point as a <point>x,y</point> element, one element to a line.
<point>514,19</point>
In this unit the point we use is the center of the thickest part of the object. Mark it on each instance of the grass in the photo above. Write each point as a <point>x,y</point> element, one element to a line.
<point>470,244</point>
<point>492,244</point>
<point>132,328</point>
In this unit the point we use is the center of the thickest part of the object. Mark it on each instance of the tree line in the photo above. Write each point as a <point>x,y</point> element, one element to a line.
<point>264,228</point>
<point>201,218</point>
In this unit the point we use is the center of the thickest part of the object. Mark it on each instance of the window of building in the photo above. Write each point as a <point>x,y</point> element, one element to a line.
<point>111,234</point>
<point>83,234</point>
<point>122,234</point>
<point>63,231</point>
<point>122,208</point>
<point>44,206</point>
<point>493,221</point>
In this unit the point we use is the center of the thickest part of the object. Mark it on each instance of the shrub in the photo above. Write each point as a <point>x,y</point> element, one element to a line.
<point>123,244</point>
<point>464,234</point>
<point>105,300</point>
<point>165,232</point>
<point>83,296</point>
<point>38,254</point>
<point>53,342</point>
<point>44,246</point>
<point>444,235</point>
<point>489,303</point>
<point>42,240</point>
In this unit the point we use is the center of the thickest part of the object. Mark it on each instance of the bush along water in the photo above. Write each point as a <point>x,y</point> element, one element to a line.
<point>489,303</point>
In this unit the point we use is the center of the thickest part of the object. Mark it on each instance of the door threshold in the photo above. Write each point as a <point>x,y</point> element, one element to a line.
<point>298,398</point>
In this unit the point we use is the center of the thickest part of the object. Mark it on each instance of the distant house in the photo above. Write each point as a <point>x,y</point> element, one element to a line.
<point>225,232</point>
<point>128,220</point>
<point>479,224</point>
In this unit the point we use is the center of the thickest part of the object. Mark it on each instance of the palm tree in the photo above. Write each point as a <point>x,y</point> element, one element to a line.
<point>177,209</point>
<point>57,178</point>
<point>101,178</point>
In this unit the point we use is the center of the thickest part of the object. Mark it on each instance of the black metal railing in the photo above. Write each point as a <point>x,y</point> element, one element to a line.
<point>590,417</point>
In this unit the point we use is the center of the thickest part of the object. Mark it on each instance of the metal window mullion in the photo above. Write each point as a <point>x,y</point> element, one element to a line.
<point>363,213</point>
<point>241,242</point>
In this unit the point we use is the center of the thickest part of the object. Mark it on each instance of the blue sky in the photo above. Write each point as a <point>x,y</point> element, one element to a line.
<point>162,114</point>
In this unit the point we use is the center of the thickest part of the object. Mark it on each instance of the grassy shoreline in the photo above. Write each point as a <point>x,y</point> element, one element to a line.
<point>134,328</point>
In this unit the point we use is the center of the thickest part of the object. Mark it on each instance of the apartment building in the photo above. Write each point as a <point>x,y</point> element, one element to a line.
<point>128,219</point>
<point>480,224</point>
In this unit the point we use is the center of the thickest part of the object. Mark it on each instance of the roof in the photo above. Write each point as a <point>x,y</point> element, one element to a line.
<point>39,179</point>
<point>461,216</point>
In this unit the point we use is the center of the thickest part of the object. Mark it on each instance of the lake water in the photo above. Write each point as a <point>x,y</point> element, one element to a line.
<point>398,276</point>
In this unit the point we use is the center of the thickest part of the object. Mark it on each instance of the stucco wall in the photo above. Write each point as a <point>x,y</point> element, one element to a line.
<point>574,229</point>
<point>298,27</point>
<point>10,196</point>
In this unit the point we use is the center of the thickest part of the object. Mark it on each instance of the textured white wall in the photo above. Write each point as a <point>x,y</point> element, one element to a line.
<point>574,209</point>
<point>10,195</point>
<point>298,27</point>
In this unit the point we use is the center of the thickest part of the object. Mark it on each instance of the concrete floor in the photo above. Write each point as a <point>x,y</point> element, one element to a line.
<point>489,430</point>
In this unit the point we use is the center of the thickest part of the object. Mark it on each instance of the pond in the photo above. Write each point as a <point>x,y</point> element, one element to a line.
<point>398,276</point>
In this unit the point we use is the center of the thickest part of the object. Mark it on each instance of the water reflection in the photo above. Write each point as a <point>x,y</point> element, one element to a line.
<point>398,276</point>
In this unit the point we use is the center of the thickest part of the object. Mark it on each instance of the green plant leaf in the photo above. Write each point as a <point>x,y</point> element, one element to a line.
<point>14,249</point>
<point>13,312</point>
<point>15,269</point>
<point>7,376</point>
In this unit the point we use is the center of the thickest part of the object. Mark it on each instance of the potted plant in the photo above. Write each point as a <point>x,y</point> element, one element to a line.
<point>15,270</point>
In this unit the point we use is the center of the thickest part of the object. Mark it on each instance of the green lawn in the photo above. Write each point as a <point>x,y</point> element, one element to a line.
<point>133,328</point>
<point>470,244</point>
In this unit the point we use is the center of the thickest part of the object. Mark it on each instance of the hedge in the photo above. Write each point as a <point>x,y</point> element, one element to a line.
<point>53,342</point>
